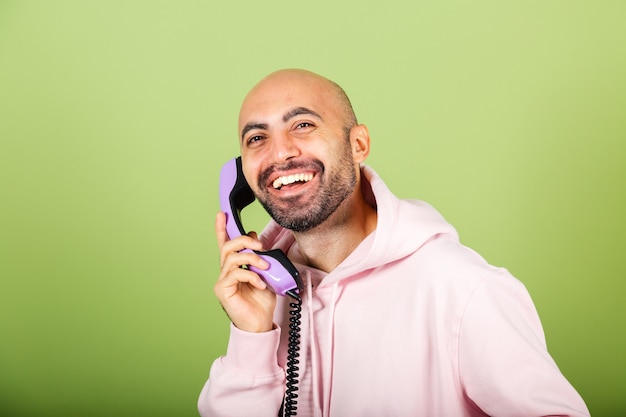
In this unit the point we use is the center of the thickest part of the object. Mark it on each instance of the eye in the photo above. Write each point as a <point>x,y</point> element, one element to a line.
<point>253,139</point>
<point>304,125</point>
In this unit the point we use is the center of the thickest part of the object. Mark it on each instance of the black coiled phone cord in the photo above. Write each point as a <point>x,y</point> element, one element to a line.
<point>293,349</point>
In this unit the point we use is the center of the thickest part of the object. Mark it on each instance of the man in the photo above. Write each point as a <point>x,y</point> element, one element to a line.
<point>399,319</point>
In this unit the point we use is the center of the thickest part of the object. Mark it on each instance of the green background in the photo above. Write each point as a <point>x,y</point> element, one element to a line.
<point>115,118</point>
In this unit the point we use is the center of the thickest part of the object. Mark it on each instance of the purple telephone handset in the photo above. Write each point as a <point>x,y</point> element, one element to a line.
<point>235,194</point>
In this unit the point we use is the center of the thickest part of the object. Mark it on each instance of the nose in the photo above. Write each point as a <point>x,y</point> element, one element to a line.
<point>284,147</point>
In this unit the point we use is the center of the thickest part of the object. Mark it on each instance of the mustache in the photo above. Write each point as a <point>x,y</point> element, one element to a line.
<point>307,165</point>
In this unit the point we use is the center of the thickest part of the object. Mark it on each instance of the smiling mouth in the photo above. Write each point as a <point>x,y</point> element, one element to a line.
<point>279,182</point>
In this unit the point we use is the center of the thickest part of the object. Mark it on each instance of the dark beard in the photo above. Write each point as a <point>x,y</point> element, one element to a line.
<point>331,194</point>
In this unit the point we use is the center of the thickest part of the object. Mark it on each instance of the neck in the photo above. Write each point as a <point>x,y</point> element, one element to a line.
<point>327,245</point>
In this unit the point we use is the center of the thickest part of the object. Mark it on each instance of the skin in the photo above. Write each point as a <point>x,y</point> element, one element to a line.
<point>295,122</point>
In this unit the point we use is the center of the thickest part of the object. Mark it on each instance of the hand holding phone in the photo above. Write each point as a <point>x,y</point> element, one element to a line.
<point>242,293</point>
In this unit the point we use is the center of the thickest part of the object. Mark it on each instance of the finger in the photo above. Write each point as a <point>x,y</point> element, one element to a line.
<point>229,284</point>
<point>220,228</point>
<point>242,242</point>
<point>235,260</point>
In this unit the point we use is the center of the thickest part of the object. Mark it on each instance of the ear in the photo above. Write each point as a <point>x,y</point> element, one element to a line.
<point>360,143</point>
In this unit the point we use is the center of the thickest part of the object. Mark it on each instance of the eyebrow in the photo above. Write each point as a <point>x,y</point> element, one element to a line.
<point>250,126</point>
<point>297,111</point>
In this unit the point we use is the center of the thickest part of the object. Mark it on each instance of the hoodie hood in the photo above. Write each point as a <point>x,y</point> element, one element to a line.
<point>392,240</point>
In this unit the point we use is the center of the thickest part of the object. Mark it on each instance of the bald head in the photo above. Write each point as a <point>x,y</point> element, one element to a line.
<point>296,87</point>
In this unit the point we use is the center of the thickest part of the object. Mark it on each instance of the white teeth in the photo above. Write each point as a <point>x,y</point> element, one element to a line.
<point>290,179</point>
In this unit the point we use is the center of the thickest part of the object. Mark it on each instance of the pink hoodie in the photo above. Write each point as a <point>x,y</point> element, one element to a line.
<point>412,323</point>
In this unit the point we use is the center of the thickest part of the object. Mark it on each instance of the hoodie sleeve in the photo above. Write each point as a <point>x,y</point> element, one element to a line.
<point>247,381</point>
<point>504,364</point>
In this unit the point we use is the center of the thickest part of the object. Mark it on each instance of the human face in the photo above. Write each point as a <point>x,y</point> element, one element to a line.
<point>302,211</point>
<point>296,153</point>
